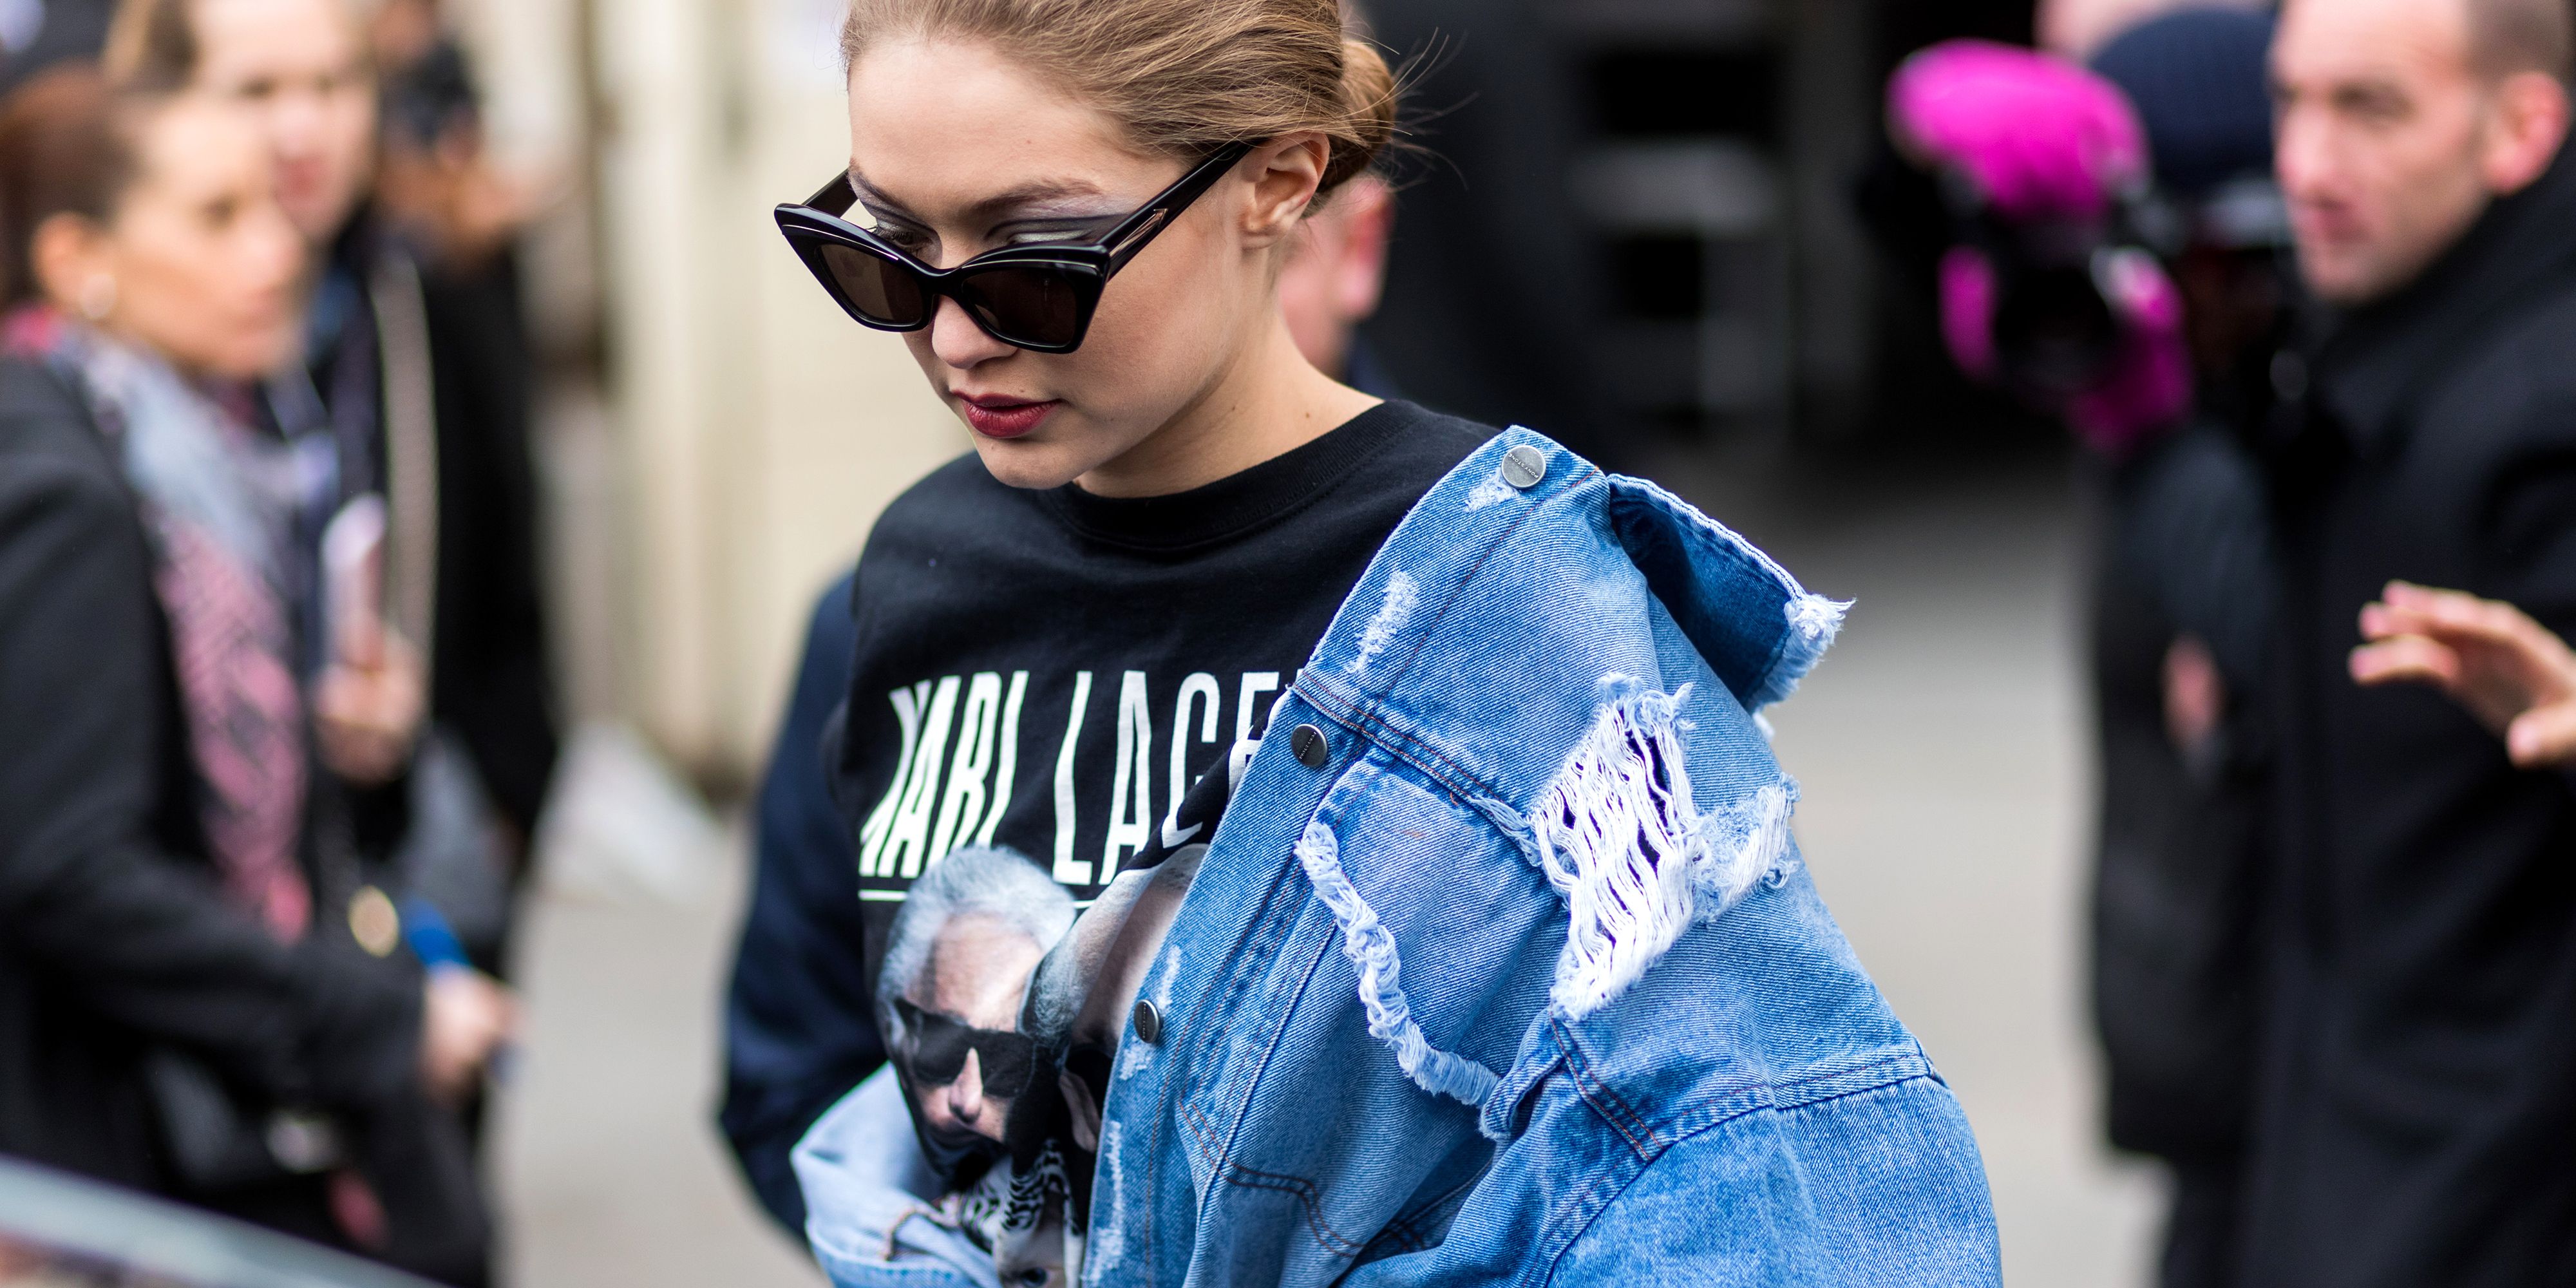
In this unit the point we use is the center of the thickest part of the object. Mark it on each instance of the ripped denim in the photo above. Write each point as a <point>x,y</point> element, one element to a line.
<point>1524,983</point>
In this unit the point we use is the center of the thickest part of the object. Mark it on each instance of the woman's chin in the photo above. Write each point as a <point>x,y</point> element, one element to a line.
<point>1031,466</point>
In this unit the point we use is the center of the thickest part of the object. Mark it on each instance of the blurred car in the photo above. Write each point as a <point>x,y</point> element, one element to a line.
<point>60,1232</point>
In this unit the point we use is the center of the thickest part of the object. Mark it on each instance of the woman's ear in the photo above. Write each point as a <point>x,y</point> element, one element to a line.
<point>73,264</point>
<point>1286,172</point>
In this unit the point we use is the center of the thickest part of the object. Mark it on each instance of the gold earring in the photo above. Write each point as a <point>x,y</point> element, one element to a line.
<point>98,298</point>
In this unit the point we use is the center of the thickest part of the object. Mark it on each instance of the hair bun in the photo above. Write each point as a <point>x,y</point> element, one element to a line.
<point>1369,95</point>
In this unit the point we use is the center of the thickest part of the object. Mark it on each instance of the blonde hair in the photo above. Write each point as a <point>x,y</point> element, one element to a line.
<point>1184,77</point>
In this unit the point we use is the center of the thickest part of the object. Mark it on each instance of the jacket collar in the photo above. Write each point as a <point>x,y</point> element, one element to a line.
<point>2377,359</point>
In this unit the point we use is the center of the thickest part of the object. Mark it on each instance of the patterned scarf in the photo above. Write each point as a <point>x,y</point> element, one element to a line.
<point>220,503</point>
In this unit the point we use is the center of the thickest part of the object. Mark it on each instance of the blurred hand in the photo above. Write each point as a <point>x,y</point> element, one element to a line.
<point>2511,672</point>
<point>367,712</point>
<point>2195,697</point>
<point>456,199</point>
<point>469,1017</point>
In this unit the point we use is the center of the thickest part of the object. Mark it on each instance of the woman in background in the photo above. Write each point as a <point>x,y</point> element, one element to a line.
<point>201,993</point>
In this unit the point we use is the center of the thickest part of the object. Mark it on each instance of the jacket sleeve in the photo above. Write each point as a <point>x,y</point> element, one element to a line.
<point>1881,1187</point>
<point>88,900</point>
<point>798,1032</point>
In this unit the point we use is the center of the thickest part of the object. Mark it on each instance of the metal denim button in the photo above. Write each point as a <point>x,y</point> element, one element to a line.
<point>1524,467</point>
<point>1149,1023</point>
<point>1313,749</point>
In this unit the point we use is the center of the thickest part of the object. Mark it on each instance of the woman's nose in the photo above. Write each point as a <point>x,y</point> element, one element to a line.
<point>959,342</point>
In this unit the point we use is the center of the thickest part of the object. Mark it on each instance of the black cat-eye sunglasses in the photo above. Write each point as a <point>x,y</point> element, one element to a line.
<point>1038,297</point>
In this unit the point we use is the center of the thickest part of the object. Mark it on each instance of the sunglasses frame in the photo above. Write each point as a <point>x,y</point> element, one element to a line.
<point>1087,267</point>
<point>1003,1079</point>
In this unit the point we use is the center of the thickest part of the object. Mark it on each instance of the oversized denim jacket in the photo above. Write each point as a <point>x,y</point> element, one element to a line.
<point>1525,983</point>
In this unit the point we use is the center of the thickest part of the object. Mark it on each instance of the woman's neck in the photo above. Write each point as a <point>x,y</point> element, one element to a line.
<point>1271,403</point>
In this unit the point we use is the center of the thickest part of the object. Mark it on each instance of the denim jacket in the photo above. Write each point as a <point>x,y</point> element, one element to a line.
<point>1502,967</point>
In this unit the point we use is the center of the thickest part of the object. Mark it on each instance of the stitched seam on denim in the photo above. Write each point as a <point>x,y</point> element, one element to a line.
<point>1406,1229</point>
<point>1266,945</point>
<point>1805,1092</point>
<point>1220,1146</point>
<point>1799,637</point>
<point>1517,1085</point>
<point>1558,1259</point>
<point>1213,1142</point>
<point>1268,951</point>
<point>1330,1239</point>
<point>1597,1195</point>
<point>1464,787</point>
<point>1603,1100</point>
<point>1175,1106</point>
<point>1305,1191</point>
<point>1802,1092</point>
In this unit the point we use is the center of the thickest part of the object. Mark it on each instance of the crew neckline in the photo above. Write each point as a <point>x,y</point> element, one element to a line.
<point>1239,504</point>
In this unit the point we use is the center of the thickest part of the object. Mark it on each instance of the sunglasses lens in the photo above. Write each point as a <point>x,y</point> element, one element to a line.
<point>882,291</point>
<point>1008,1065</point>
<point>1029,304</point>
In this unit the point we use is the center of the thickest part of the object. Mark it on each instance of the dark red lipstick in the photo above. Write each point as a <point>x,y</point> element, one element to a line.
<point>1005,418</point>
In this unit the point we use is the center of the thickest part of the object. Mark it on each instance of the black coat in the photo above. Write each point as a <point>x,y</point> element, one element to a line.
<point>2184,553</point>
<point>493,682</point>
<point>116,937</point>
<point>460,329</point>
<point>2418,1115</point>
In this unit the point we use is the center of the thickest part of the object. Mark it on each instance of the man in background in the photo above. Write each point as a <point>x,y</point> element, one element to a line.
<point>2418,1075</point>
<point>799,1028</point>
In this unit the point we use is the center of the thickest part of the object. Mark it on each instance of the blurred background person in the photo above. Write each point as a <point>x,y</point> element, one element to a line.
<point>204,991</point>
<point>2184,599</point>
<point>2116,260</point>
<point>37,34</point>
<point>416,347</point>
<point>2081,29</point>
<point>800,1031</point>
<point>2419,1072</point>
<point>1488,296</point>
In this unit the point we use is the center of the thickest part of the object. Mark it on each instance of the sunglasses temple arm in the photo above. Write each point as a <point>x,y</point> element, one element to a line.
<point>1129,239</point>
<point>834,198</point>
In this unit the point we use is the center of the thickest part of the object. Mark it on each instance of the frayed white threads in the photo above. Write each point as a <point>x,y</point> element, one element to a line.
<point>1396,613</point>
<point>1742,845</point>
<point>1818,619</point>
<point>1107,1242</point>
<point>1371,949</point>
<point>1624,843</point>
<point>1493,491</point>
<point>1814,623</point>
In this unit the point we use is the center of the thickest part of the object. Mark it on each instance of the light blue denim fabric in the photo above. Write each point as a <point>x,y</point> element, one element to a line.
<point>1379,1062</point>
<point>870,1199</point>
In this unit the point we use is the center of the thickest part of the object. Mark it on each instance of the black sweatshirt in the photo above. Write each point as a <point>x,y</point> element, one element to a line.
<point>1046,671</point>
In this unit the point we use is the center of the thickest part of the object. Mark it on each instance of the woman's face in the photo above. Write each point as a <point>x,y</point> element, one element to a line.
<point>955,151</point>
<point>202,261</point>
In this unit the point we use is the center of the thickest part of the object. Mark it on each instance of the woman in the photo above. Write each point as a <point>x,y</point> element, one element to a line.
<point>415,344</point>
<point>200,993</point>
<point>1501,965</point>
